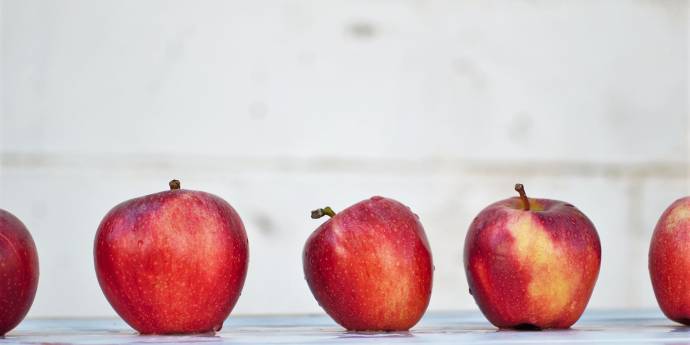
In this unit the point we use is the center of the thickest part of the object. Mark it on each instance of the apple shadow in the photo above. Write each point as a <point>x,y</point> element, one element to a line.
<point>518,330</point>
<point>209,334</point>
<point>680,329</point>
<point>196,338</point>
<point>533,329</point>
<point>375,334</point>
<point>527,327</point>
<point>523,327</point>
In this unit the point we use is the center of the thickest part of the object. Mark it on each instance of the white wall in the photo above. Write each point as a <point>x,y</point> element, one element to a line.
<point>284,106</point>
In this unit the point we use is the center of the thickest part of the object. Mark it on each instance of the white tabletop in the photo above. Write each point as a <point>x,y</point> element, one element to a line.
<point>610,327</point>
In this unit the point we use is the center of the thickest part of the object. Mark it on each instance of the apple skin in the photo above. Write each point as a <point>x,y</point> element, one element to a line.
<point>370,266</point>
<point>669,261</point>
<point>18,271</point>
<point>172,262</point>
<point>532,269</point>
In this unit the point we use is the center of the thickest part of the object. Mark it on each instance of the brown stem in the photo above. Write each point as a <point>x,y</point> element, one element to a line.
<point>326,211</point>
<point>521,189</point>
<point>174,184</point>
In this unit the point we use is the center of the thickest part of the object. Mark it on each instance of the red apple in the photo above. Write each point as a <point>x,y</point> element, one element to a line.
<point>18,271</point>
<point>370,266</point>
<point>172,262</point>
<point>669,261</point>
<point>532,263</point>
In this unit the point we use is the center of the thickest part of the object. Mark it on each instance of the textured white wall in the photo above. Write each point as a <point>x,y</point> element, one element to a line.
<point>283,106</point>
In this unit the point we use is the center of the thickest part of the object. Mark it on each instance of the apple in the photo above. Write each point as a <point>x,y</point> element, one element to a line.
<point>669,261</point>
<point>173,262</point>
<point>370,266</point>
<point>531,263</point>
<point>18,271</point>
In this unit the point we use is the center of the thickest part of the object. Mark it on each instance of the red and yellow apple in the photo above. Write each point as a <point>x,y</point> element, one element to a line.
<point>669,261</point>
<point>172,262</point>
<point>531,263</point>
<point>18,271</point>
<point>370,266</point>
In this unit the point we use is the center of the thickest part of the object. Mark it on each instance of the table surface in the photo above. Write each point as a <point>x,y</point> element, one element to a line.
<point>611,327</point>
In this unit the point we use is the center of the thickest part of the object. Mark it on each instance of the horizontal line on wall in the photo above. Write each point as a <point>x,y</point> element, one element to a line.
<point>226,164</point>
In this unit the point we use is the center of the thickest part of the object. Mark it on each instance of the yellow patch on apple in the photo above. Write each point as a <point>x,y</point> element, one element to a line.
<point>551,279</point>
<point>679,214</point>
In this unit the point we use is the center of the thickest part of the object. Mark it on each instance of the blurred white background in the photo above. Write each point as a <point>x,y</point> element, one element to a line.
<point>284,106</point>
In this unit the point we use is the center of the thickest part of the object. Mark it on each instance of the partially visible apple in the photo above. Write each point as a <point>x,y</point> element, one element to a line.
<point>669,261</point>
<point>370,266</point>
<point>172,262</point>
<point>532,263</point>
<point>18,271</point>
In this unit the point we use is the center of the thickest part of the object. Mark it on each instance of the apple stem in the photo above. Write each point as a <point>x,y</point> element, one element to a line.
<point>521,189</point>
<point>326,211</point>
<point>174,184</point>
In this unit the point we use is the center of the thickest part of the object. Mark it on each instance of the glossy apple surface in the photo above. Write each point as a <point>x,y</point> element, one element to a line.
<point>533,268</point>
<point>370,266</point>
<point>172,262</point>
<point>669,261</point>
<point>18,271</point>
